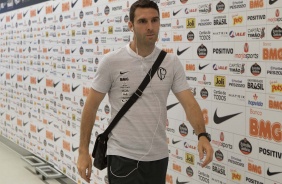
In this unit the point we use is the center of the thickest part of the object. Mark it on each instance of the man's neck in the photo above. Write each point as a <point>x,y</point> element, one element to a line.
<point>141,51</point>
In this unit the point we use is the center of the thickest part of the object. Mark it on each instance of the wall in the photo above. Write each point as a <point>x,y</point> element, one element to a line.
<point>231,52</point>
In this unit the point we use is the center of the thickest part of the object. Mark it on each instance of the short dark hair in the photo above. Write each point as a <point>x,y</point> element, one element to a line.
<point>141,4</point>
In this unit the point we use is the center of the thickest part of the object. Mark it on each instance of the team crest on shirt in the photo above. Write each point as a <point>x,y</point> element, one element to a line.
<point>161,73</point>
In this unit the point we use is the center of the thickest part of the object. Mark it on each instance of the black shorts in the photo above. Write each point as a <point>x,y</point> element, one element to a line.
<point>153,172</point>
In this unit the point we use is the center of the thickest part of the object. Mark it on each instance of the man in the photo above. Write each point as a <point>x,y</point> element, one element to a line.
<point>137,148</point>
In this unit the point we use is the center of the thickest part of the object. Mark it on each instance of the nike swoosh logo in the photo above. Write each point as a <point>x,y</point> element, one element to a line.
<point>24,14</point>
<point>13,118</point>
<point>73,134</point>
<point>13,16</point>
<point>50,122</point>
<point>25,123</point>
<point>2,19</point>
<point>50,49</point>
<point>39,130</point>
<point>170,106</point>
<point>56,138</point>
<point>56,84</point>
<point>2,74</point>
<point>175,142</point>
<point>67,26</point>
<point>72,51</point>
<point>77,60</point>
<point>38,11</point>
<point>181,52</point>
<point>183,182</point>
<point>121,73</point>
<point>175,13</point>
<point>272,173</point>
<point>202,67</point>
<point>74,149</point>
<point>39,80</point>
<point>271,2</point>
<point>13,76</point>
<point>73,4</point>
<point>2,113</point>
<point>219,120</point>
<point>103,21</point>
<point>54,9</point>
<point>102,119</point>
<point>74,88</point>
<point>24,49</point>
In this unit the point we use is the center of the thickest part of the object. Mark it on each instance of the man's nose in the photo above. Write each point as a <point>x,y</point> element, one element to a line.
<point>149,26</point>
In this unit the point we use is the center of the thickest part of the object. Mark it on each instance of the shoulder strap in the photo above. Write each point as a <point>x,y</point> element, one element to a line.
<point>137,94</point>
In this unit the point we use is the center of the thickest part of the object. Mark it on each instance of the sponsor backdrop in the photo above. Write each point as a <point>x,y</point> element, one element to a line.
<point>9,5</point>
<point>231,52</point>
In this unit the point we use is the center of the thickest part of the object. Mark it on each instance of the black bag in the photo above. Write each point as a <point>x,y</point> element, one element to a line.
<point>99,152</point>
<point>100,147</point>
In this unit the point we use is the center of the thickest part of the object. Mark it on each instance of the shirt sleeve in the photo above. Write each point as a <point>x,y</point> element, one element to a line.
<point>179,80</point>
<point>102,78</point>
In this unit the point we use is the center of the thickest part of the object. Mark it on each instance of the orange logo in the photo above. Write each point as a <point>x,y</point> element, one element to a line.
<point>66,145</point>
<point>32,80</point>
<point>66,87</point>
<point>190,67</point>
<point>32,128</point>
<point>8,18</point>
<point>272,54</point>
<point>8,76</point>
<point>256,4</point>
<point>49,83</point>
<point>67,51</point>
<point>176,167</point>
<point>32,13</point>
<point>177,38</point>
<point>49,9</point>
<point>19,78</point>
<point>265,129</point>
<point>165,15</point>
<point>68,133</point>
<point>19,16</point>
<point>254,168</point>
<point>86,3</point>
<point>272,104</point>
<point>19,122</point>
<point>65,6</point>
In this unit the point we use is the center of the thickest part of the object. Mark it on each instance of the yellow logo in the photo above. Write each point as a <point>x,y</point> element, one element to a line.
<point>191,23</point>
<point>219,81</point>
<point>189,158</point>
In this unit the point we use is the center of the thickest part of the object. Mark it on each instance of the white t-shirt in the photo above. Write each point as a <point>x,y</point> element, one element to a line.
<point>119,74</point>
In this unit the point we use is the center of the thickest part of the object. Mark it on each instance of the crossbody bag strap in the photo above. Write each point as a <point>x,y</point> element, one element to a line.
<point>137,94</point>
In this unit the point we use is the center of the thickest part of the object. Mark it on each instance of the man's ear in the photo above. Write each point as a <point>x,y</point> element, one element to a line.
<point>130,25</point>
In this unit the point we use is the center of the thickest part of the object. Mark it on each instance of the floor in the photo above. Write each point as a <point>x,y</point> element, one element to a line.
<point>15,170</point>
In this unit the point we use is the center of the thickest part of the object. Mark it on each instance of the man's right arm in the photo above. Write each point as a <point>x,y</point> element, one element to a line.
<point>84,162</point>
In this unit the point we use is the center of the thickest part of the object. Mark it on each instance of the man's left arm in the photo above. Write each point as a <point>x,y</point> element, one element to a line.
<point>195,117</point>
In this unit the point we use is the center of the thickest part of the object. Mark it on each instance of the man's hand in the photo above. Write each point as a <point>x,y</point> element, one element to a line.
<point>84,166</point>
<point>204,147</point>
